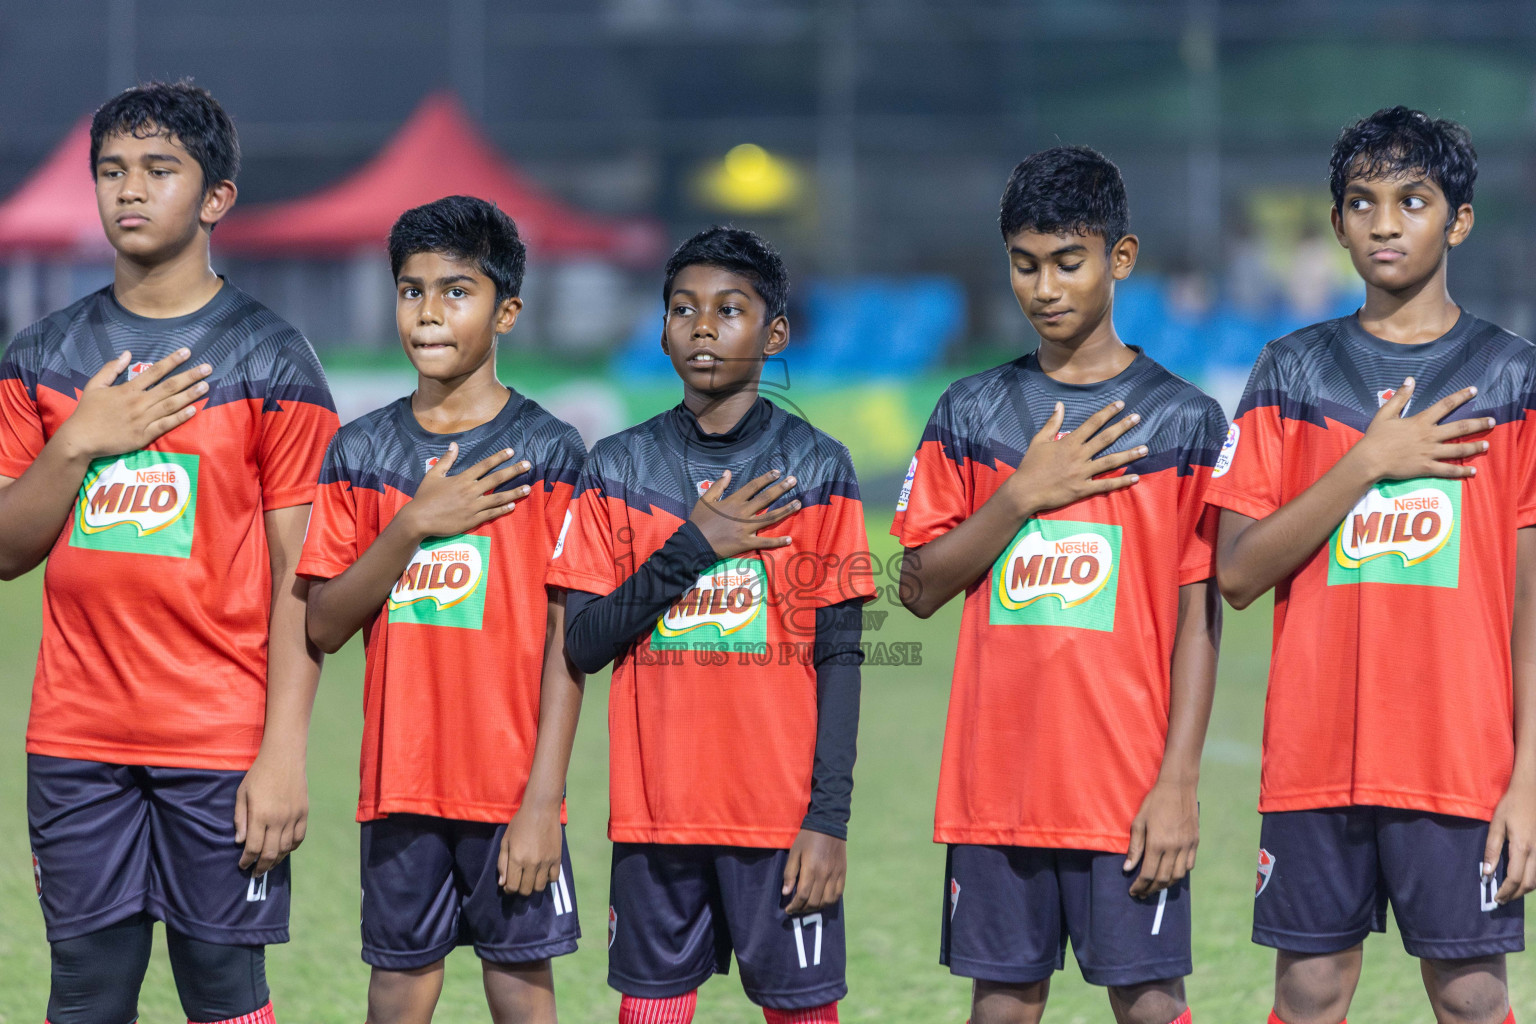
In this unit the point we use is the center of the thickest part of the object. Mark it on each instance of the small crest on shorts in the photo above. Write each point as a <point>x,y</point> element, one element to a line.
<point>37,876</point>
<point>613,926</point>
<point>1266,869</point>
<point>954,898</point>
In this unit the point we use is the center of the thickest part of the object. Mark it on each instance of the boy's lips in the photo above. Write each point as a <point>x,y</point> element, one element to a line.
<point>704,359</point>
<point>132,220</point>
<point>1388,255</point>
<point>1053,316</point>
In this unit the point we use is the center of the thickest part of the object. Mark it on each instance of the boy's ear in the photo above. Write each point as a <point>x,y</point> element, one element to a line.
<point>778,336</point>
<point>218,200</point>
<point>1337,220</point>
<point>1122,257</point>
<point>1461,226</point>
<point>506,314</point>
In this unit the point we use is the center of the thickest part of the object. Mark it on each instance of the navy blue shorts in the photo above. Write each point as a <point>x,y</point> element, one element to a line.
<point>429,884</point>
<point>1326,876</point>
<point>677,913</point>
<point>1009,911</point>
<point>111,840</point>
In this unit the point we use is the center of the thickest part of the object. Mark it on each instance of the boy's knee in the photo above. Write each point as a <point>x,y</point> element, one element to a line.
<point>998,1003</point>
<point>95,978</point>
<point>1315,988</point>
<point>217,983</point>
<point>1468,991</point>
<point>1155,1002</point>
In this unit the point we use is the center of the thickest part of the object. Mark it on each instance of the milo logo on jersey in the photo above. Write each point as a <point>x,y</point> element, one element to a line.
<point>143,503</point>
<point>723,610</point>
<point>1058,573</point>
<point>444,584</point>
<point>1402,531</point>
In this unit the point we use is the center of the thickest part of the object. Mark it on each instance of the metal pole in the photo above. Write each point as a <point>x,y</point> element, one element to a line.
<point>1200,49</point>
<point>836,148</point>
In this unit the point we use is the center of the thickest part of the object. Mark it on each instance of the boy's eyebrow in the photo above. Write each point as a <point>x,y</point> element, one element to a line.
<point>1064,250</point>
<point>454,279</point>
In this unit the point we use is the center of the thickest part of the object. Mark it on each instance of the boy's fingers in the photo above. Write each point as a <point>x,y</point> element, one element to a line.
<point>446,460</point>
<point>109,370</point>
<point>791,871</point>
<point>1450,403</point>
<point>1449,470</point>
<point>1461,428</point>
<point>494,480</point>
<point>1393,407</point>
<point>1104,485</point>
<point>165,424</point>
<point>159,370</point>
<point>1052,423</point>
<point>241,814</point>
<point>1494,845</point>
<point>1092,424</point>
<point>783,512</point>
<point>498,462</point>
<point>182,381</point>
<point>1465,450</point>
<point>754,488</point>
<point>768,495</point>
<point>1112,433</point>
<point>1115,460</point>
<point>1138,844</point>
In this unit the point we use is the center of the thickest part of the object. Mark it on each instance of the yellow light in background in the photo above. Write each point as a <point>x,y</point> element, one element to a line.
<point>749,179</point>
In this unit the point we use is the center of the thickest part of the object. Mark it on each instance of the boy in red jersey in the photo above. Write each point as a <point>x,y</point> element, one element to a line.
<point>733,618</point>
<point>170,713</point>
<point>1381,476</point>
<point>470,706</point>
<point>1087,655</point>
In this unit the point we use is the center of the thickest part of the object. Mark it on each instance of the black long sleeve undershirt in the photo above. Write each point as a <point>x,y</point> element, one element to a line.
<point>599,629</point>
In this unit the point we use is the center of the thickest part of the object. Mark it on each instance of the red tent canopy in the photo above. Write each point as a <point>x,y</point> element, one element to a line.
<point>438,152</point>
<point>53,213</point>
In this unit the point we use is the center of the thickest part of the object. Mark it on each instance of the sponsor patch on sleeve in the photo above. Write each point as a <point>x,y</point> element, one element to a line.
<point>1228,449</point>
<point>906,487</point>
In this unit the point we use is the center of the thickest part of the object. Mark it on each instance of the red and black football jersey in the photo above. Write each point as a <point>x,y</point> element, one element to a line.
<point>1391,680</point>
<point>1058,713</point>
<point>712,714</point>
<point>158,592</point>
<point>455,656</point>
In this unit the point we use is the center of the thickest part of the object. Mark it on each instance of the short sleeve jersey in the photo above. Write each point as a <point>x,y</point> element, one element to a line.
<point>712,713</point>
<point>1390,682</point>
<point>1058,711</point>
<point>455,656</point>
<point>158,591</point>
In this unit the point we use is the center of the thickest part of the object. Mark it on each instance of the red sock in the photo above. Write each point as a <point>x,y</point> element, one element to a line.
<point>1183,1018</point>
<point>674,1010</point>
<point>259,1016</point>
<point>1274,1018</point>
<point>1511,1018</point>
<point>824,1014</point>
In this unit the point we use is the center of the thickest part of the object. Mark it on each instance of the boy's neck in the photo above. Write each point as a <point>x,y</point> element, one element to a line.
<point>174,287</point>
<point>1091,358</point>
<point>460,403</point>
<point>1412,315</point>
<point>718,413</point>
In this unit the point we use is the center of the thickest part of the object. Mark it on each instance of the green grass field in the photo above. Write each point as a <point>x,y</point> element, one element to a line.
<point>895,872</point>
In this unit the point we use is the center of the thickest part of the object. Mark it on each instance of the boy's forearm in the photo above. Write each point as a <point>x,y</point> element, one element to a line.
<point>1255,554</point>
<point>340,606</point>
<point>35,506</point>
<point>1196,645</point>
<point>560,693</point>
<point>293,664</point>
<point>934,573</point>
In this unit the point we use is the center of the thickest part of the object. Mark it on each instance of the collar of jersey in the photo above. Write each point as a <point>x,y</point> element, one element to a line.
<point>408,422</point>
<point>1460,330</point>
<point>116,310</point>
<point>685,425</point>
<point>1029,364</point>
